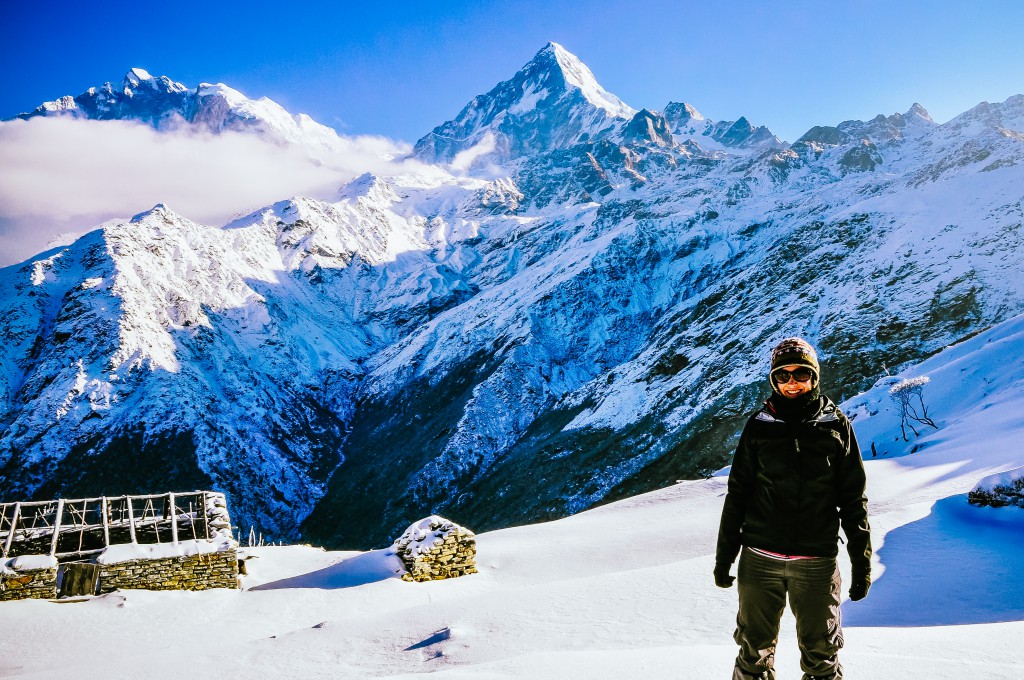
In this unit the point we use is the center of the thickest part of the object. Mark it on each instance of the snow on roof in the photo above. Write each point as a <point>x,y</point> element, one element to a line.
<point>126,552</point>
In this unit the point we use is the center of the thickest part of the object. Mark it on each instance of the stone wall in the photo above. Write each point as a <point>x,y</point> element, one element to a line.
<point>34,583</point>
<point>436,548</point>
<point>195,572</point>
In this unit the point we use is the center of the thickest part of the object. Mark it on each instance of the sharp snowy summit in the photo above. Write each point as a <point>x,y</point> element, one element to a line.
<point>554,102</point>
<point>565,303</point>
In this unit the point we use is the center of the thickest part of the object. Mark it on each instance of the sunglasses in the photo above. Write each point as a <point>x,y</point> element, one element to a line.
<point>782,376</point>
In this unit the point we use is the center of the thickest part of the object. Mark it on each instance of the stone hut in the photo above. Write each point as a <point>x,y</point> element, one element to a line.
<point>87,546</point>
<point>435,548</point>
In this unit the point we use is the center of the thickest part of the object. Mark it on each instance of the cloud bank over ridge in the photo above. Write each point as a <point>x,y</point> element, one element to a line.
<point>60,175</point>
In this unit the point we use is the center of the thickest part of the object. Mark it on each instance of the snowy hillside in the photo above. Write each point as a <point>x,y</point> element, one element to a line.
<point>501,343</point>
<point>622,591</point>
<point>169,335</point>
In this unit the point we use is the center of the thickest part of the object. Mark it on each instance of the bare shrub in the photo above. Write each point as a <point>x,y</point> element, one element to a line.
<point>907,394</point>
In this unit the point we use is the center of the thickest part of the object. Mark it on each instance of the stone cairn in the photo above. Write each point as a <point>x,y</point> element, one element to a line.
<point>435,548</point>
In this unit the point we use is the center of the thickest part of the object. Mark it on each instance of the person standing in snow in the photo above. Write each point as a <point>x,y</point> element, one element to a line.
<point>797,475</point>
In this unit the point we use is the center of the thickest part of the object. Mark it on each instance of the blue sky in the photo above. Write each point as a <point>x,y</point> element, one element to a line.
<point>400,68</point>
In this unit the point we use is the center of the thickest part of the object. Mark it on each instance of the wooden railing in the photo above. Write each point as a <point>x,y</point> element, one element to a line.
<point>77,528</point>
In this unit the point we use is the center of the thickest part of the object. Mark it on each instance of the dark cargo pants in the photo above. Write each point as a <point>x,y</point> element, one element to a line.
<point>813,586</point>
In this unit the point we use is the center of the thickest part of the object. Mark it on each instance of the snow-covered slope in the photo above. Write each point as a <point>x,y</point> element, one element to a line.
<point>193,355</point>
<point>622,591</point>
<point>590,325</point>
<point>614,345</point>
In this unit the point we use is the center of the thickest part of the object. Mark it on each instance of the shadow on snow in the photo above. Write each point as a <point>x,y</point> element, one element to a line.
<point>367,567</point>
<point>959,565</point>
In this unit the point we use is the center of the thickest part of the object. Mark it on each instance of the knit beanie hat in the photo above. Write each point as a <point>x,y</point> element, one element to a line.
<point>795,351</point>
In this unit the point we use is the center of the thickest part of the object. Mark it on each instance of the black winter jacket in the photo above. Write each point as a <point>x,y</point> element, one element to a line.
<point>792,484</point>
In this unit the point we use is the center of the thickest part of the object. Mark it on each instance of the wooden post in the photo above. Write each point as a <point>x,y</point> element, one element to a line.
<point>192,520</point>
<point>131,518</point>
<point>14,524</point>
<point>106,524</point>
<point>206,518</point>
<point>81,532</point>
<point>156,525</point>
<point>56,527</point>
<point>174,521</point>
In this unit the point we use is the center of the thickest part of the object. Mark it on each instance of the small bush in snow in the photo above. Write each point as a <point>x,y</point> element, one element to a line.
<point>1000,495</point>
<point>907,394</point>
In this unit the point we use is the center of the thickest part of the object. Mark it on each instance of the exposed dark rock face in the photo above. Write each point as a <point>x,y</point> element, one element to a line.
<point>863,158</point>
<point>825,135</point>
<point>647,127</point>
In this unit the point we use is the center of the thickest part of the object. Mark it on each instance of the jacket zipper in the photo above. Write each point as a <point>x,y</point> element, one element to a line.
<point>800,489</point>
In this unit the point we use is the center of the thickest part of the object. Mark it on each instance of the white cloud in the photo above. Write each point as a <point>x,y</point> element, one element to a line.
<point>60,174</point>
<point>464,160</point>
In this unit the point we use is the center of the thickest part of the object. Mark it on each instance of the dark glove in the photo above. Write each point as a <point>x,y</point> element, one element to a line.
<point>860,584</point>
<point>722,578</point>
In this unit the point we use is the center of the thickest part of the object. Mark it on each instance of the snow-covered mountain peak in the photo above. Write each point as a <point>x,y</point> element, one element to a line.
<point>139,81</point>
<point>919,112</point>
<point>915,122</point>
<point>135,76</point>
<point>316,237</point>
<point>1007,116</point>
<point>553,102</point>
<point>915,117</point>
<point>556,58</point>
<point>371,186</point>
<point>158,210</point>
<point>168,105</point>
<point>682,111</point>
<point>648,127</point>
<point>689,125</point>
<point>882,129</point>
<point>221,90</point>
